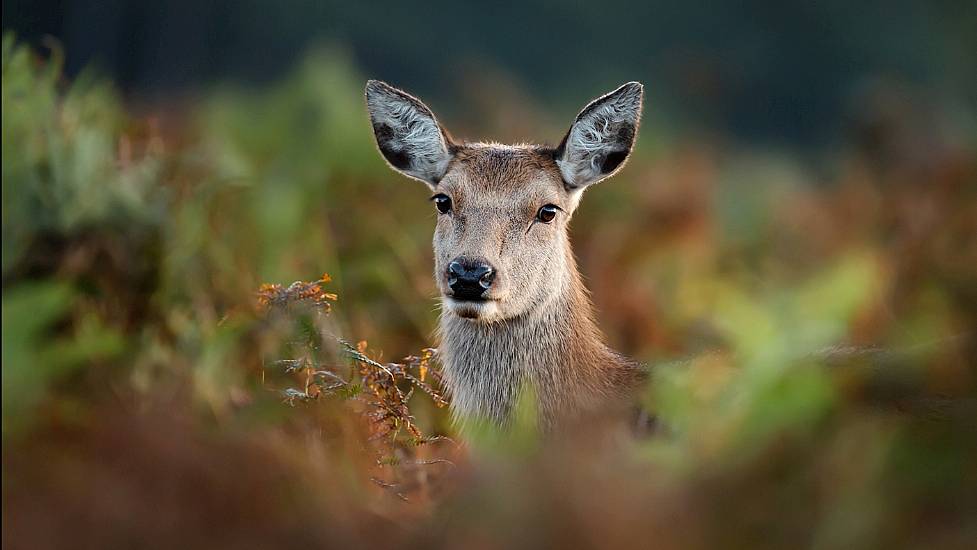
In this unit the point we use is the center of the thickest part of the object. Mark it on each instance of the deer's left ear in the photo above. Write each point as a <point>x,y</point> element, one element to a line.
<point>408,135</point>
<point>601,137</point>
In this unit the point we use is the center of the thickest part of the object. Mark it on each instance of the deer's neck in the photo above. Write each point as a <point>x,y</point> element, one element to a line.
<point>554,351</point>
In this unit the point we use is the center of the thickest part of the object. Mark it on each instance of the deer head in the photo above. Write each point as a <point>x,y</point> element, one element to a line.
<point>501,246</point>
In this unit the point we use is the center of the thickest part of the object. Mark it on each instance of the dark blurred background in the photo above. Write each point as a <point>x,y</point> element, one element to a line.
<point>789,73</point>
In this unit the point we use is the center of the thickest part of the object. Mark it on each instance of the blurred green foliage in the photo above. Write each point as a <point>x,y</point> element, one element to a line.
<point>61,171</point>
<point>31,359</point>
<point>811,346</point>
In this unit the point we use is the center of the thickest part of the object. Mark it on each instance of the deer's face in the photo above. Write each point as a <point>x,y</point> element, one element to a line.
<point>500,246</point>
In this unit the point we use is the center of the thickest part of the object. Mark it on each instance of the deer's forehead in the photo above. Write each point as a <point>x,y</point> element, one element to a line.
<point>505,174</point>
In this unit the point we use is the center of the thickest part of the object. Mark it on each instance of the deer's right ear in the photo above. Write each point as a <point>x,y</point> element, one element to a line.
<point>407,133</point>
<point>601,138</point>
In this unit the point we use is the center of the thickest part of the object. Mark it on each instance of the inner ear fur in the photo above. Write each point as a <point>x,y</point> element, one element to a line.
<point>407,133</point>
<point>601,137</point>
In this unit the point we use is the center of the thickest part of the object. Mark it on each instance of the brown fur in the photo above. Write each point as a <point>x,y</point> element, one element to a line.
<point>535,332</point>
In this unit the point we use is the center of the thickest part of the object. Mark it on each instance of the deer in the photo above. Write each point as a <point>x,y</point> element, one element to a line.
<point>515,313</point>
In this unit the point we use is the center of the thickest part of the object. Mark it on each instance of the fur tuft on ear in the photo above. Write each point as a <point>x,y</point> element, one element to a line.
<point>408,135</point>
<point>601,137</point>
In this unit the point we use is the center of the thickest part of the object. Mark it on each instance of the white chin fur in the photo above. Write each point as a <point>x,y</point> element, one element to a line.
<point>486,311</point>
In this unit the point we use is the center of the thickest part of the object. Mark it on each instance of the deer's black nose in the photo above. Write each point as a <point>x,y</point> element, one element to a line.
<point>469,278</point>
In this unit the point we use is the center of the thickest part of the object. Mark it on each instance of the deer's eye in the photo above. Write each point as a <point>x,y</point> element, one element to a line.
<point>547,213</point>
<point>442,202</point>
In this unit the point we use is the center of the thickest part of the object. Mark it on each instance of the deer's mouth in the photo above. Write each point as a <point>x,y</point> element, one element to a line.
<point>468,300</point>
<point>476,308</point>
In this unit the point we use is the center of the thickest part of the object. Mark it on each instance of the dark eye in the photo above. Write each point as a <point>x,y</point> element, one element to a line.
<point>547,213</point>
<point>443,202</point>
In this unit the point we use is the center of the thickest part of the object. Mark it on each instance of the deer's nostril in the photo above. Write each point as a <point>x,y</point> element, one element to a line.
<point>486,279</point>
<point>455,269</point>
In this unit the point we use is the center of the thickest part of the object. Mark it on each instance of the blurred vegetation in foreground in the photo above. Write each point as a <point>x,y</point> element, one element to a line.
<point>812,335</point>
